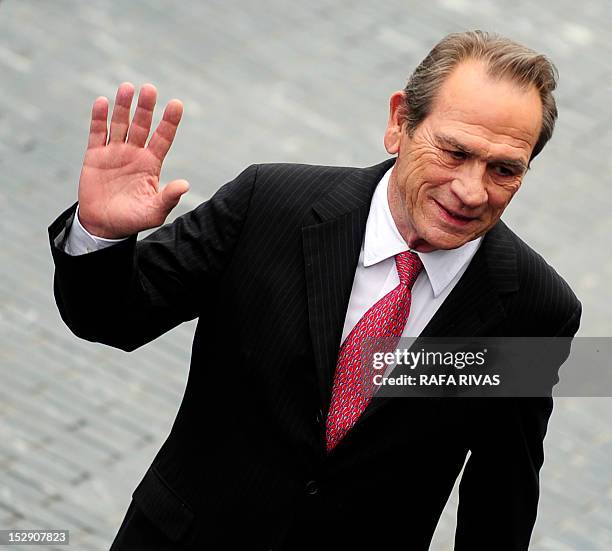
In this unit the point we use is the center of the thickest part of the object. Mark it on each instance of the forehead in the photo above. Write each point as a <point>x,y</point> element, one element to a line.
<point>488,114</point>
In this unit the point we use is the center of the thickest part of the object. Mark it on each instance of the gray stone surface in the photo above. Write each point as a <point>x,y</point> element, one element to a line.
<point>261,81</point>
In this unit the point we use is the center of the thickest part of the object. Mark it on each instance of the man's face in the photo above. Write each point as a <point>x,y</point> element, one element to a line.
<point>456,174</point>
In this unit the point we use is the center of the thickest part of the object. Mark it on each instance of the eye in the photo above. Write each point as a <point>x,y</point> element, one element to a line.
<point>456,154</point>
<point>503,171</point>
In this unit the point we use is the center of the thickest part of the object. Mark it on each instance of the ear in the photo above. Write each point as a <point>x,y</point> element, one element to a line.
<point>395,125</point>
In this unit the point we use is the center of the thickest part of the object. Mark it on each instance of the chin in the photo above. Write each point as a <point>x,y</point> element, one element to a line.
<point>446,246</point>
<point>442,240</point>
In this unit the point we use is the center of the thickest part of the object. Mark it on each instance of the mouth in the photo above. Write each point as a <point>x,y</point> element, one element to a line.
<point>454,217</point>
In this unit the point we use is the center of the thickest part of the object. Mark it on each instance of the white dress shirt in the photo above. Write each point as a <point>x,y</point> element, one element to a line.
<point>376,274</point>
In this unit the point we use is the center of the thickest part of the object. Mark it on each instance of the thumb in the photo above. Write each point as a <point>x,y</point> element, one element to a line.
<point>172,192</point>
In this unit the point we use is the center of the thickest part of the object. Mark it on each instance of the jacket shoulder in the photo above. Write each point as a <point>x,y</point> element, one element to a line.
<point>282,178</point>
<point>544,298</point>
<point>287,191</point>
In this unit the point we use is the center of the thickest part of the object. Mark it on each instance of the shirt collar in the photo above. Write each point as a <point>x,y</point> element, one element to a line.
<point>383,240</point>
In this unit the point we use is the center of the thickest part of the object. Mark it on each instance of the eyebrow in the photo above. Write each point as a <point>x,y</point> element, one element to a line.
<point>517,164</point>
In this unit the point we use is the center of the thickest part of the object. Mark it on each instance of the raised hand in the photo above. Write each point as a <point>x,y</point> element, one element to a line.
<point>119,191</point>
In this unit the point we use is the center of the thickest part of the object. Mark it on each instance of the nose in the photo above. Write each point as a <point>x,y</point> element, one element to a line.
<point>469,184</point>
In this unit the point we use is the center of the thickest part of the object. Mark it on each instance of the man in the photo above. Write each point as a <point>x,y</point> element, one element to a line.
<point>287,267</point>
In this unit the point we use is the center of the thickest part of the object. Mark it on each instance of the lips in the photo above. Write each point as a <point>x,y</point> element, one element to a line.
<point>454,217</point>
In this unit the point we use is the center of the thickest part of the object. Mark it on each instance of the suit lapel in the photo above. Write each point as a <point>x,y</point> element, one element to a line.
<point>474,307</point>
<point>331,252</point>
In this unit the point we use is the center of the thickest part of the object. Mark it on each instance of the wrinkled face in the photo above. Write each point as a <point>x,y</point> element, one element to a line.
<point>456,174</point>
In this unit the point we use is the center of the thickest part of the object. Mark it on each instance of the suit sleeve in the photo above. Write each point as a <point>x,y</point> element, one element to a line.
<point>130,293</point>
<point>499,489</point>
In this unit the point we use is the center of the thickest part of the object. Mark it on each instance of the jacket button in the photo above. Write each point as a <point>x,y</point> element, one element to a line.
<point>312,488</point>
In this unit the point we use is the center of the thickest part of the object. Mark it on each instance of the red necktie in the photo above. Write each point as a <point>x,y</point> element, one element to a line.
<point>387,318</point>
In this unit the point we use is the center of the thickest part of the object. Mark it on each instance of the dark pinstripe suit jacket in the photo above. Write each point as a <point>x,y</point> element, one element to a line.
<point>267,266</point>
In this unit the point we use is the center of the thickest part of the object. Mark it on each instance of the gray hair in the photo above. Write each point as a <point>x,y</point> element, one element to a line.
<point>503,57</point>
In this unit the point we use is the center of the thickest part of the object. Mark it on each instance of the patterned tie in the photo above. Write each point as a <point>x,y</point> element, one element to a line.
<point>387,318</point>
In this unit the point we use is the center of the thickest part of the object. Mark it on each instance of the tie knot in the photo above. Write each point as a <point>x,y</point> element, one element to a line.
<point>409,266</point>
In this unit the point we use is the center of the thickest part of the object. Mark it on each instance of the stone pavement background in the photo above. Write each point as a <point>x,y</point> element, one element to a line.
<point>261,81</point>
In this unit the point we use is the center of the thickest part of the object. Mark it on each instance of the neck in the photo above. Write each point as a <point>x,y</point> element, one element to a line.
<point>402,219</point>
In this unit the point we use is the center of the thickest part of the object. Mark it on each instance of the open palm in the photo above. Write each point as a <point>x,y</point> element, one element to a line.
<point>119,192</point>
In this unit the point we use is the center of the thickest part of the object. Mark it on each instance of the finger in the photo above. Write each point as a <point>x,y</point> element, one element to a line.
<point>121,112</point>
<point>141,123</point>
<point>162,138</point>
<point>172,192</point>
<point>99,118</point>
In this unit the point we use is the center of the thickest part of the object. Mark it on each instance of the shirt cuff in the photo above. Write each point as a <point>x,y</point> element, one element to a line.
<point>80,241</point>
